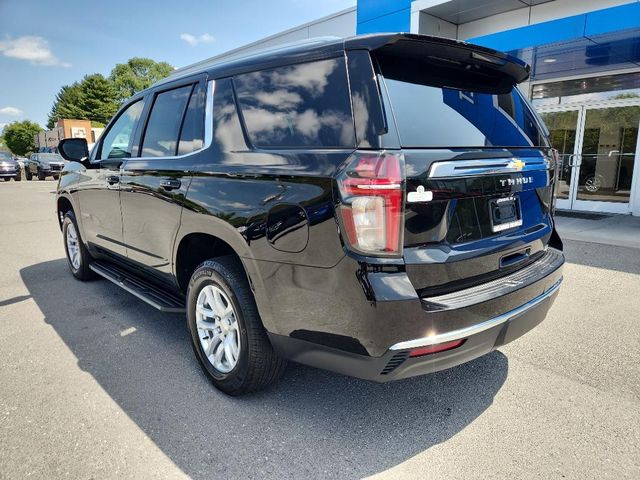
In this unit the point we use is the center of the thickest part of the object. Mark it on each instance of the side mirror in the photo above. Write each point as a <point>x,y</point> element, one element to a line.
<point>74,149</point>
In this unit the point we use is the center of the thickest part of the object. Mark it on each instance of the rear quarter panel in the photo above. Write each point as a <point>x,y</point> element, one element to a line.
<point>244,197</point>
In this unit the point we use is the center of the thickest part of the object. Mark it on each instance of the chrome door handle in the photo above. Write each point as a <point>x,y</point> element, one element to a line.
<point>575,162</point>
<point>170,183</point>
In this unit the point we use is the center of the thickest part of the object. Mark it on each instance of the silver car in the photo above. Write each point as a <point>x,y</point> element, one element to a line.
<point>9,168</point>
<point>43,165</point>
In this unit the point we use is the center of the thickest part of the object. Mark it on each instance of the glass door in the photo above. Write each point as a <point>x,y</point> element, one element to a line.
<point>563,129</point>
<point>598,145</point>
<point>607,158</point>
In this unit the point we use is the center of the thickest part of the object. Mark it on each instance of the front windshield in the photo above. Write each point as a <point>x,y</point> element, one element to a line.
<point>51,157</point>
<point>5,156</point>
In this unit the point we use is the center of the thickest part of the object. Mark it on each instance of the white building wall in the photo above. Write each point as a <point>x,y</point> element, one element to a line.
<point>532,15</point>
<point>422,22</point>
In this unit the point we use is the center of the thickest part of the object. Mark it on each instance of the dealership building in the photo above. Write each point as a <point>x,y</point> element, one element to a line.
<point>585,76</point>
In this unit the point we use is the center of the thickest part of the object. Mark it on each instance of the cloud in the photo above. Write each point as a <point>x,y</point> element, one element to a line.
<point>194,40</point>
<point>33,49</point>
<point>12,111</point>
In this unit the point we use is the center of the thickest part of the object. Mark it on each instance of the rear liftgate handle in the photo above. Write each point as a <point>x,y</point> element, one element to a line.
<point>113,179</point>
<point>170,184</point>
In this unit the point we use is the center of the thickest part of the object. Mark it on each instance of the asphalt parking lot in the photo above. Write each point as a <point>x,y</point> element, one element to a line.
<point>96,384</point>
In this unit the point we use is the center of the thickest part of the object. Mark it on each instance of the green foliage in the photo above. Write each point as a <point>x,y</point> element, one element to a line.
<point>67,104</point>
<point>136,75</point>
<point>19,136</point>
<point>91,99</point>
<point>97,98</point>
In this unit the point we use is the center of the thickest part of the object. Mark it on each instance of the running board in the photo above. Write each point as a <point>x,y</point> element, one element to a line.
<point>144,290</point>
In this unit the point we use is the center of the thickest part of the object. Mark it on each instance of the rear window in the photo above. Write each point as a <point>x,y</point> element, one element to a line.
<point>436,116</point>
<point>305,105</point>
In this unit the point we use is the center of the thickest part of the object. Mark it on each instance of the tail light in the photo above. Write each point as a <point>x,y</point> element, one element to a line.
<point>555,155</point>
<point>372,198</point>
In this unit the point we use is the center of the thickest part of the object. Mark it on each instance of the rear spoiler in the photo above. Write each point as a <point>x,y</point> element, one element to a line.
<point>453,63</point>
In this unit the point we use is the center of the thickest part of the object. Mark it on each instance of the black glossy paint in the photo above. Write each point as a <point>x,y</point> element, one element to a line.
<point>275,208</point>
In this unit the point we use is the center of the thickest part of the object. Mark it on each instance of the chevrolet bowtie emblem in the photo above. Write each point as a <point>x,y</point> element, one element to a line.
<point>516,164</point>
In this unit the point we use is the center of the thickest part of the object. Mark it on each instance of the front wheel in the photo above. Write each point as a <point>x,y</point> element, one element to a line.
<point>227,334</point>
<point>78,258</point>
<point>27,174</point>
<point>41,175</point>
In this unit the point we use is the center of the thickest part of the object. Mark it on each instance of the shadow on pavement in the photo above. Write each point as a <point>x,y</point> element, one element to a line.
<point>608,257</point>
<point>312,423</point>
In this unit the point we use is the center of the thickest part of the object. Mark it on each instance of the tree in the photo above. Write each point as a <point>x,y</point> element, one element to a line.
<point>67,104</point>
<point>19,136</point>
<point>93,98</point>
<point>136,75</point>
<point>98,100</point>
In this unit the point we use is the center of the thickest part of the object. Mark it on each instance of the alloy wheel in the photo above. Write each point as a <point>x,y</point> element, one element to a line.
<point>73,247</point>
<point>592,184</point>
<point>218,328</point>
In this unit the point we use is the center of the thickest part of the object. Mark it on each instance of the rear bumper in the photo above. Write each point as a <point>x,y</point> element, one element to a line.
<point>479,339</point>
<point>5,174</point>
<point>367,328</point>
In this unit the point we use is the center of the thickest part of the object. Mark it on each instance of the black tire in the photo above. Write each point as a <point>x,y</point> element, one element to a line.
<point>83,272</point>
<point>18,178</point>
<point>258,365</point>
<point>27,174</point>
<point>41,175</point>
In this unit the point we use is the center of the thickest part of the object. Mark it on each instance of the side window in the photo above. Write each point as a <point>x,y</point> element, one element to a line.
<point>304,105</point>
<point>118,141</point>
<point>227,130</point>
<point>192,134</point>
<point>163,127</point>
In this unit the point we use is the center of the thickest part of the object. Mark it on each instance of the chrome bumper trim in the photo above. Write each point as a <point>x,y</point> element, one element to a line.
<point>479,327</point>
<point>487,166</point>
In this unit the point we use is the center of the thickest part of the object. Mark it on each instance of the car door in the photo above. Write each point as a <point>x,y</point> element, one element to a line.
<point>154,185</point>
<point>32,164</point>
<point>99,190</point>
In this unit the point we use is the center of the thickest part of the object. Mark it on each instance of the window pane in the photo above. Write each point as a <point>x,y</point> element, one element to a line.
<point>430,116</point>
<point>192,135</point>
<point>305,105</point>
<point>163,127</point>
<point>118,140</point>
<point>608,154</point>
<point>562,133</point>
<point>227,130</point>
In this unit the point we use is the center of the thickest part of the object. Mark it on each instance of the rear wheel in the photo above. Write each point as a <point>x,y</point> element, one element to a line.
<point>227,334</point>
<point>78,257</point>
<point>27,174</point>
<point>41,175</point>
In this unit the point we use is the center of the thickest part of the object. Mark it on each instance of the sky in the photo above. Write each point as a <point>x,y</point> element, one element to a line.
<point>45,44</point>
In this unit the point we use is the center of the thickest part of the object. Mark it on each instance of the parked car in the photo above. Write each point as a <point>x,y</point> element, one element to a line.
<point>22,161</point>
<point>43,165</point>
<point>379,206</point>
<point>9,168</point>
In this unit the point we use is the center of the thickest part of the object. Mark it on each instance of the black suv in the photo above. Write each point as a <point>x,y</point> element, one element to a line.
<point>379,206</point>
